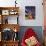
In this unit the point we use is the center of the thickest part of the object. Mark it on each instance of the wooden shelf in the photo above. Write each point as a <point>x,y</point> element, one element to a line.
<point>8,11</point>
<point>4,25</point>
<point>9,43</point>
<point>4,8</point>
<point>11,26</point>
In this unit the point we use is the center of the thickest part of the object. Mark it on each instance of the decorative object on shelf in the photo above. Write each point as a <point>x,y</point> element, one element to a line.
<point>9,10</point>
<point>15,37</point>
<point>13,12</point>
<point>15,34</point>
<point>5,12</point>
<point>9,14</point>
<point>6,21</point>
<point>29,12</point>
<point>7,34</point>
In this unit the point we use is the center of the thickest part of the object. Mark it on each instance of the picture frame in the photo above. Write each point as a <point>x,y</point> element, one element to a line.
<point>5,12</point>
<point>30,12</point>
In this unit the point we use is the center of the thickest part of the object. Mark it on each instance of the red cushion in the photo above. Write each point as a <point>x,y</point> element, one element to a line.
<point>29,33</point>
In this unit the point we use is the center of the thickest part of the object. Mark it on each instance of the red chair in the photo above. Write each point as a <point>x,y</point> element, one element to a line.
<point>29,33</point>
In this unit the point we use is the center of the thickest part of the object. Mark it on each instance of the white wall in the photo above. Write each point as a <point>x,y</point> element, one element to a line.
<point>22,3</point>
<point>7,3</point>
<point>39,13</point>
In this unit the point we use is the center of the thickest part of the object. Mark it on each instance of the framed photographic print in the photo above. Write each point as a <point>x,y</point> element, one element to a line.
<point>5,12</point>
<point>11,12</point>
<point>29,12</point>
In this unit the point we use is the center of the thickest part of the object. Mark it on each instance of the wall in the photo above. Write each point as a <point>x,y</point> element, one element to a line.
<point>7,3</point>
<point>39,13</point>
<point>22,3</point>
